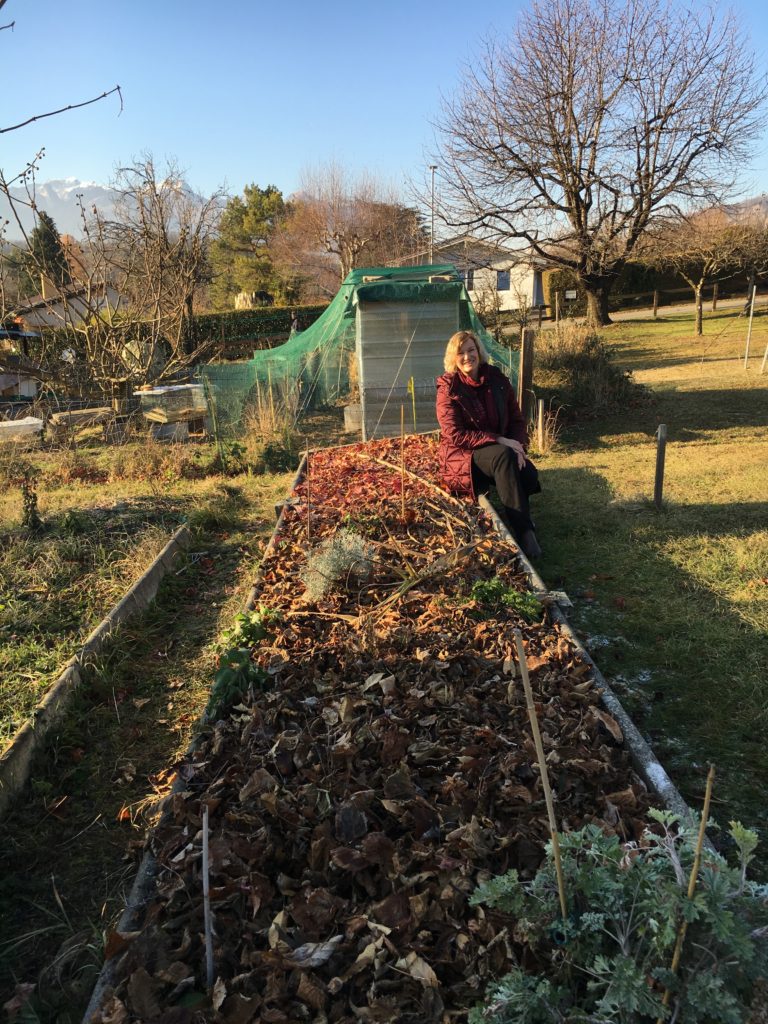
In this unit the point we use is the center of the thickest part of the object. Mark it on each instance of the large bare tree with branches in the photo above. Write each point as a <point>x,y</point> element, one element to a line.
<point>335,224</point>
<point>596,115</point>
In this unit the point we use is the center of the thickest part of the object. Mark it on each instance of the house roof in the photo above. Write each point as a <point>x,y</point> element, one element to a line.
<point>472,247</point>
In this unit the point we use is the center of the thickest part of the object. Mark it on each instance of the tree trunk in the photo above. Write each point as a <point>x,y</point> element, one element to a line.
<point>597,305</point>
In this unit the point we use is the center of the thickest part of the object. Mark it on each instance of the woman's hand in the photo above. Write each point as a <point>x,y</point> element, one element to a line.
<point>516,447</point>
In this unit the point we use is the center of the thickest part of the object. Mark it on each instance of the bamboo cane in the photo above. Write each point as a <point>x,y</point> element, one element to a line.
<point>543,769</point>
<point>207,923</point>
<point>412,389</point>
<point>691,882</point>
<point>402,461</point>
<point>306,464</point>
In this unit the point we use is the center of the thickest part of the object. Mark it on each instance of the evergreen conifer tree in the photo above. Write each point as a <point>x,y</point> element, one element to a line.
<point>46,257</point>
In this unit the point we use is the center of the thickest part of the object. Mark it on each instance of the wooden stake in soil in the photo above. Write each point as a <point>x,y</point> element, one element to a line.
<point>749,329</point>
<point>525,371</point>
<point>691,881</point>
<point>655,305</point>
<point>207,923</point>
<point>412,393</point>
<point>306,470</point>
<point>661,447</point>
<point>402,461</point>
<point>543,769</point>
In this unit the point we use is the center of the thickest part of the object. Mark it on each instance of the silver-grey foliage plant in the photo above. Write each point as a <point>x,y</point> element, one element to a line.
<point>340,560</point>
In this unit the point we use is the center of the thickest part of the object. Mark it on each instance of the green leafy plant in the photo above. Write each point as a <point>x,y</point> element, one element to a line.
<point>495,593</point>
<point>237,673</point>
<point>610,961</point>
<point>343,558</point>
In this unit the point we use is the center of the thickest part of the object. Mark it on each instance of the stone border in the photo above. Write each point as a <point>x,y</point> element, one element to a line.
<point>16,762</point>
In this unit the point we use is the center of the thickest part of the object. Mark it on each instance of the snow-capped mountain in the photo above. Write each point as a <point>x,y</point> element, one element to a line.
<point>59,199</point>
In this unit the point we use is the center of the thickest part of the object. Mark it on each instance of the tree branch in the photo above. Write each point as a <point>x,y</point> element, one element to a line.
<point>62,110</point>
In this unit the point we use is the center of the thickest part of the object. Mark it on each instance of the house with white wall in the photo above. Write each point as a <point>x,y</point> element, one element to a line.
<point>496,278</point>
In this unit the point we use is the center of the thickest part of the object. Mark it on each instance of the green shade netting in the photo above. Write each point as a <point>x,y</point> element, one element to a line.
<point>317,367</point>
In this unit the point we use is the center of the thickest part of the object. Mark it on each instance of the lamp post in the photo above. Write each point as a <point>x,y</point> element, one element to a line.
<point>433,168</point>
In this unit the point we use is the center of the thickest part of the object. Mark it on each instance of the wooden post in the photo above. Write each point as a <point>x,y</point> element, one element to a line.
<point>661,447</point>
<point>656,304</point>
<point>765,358</point>
<point>541,314</point>
<point>714,296</point>
<point>557,307</point>
<point>525,372</point>
<point>541,425</point>
<point>749,329</point>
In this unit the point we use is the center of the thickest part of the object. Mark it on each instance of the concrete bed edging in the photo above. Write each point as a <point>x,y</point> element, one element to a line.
<point>142,890</point>
<point>141,893</point>
<point>643,758</point>
<point>16,761</point>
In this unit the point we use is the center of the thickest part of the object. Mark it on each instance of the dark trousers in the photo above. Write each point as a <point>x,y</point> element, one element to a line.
<point>496,465</point>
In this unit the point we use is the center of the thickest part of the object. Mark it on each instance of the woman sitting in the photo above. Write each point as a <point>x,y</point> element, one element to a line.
<point>483,435</point>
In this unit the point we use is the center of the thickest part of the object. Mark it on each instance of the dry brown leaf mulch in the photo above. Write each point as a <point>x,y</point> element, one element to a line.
<point>386,768</point>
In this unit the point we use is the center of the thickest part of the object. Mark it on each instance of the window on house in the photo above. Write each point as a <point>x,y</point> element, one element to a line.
<point>502,280</point>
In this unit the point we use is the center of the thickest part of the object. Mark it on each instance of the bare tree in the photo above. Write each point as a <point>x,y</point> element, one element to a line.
<point>125,319</point>
<point>702,248</point>
<point>593,117</point>
<point>335,224</point>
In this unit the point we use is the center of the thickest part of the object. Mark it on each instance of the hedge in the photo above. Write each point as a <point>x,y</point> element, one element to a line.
<point>250,324</point>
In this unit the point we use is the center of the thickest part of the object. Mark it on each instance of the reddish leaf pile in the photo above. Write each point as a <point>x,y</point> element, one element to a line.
<point>385,770</point>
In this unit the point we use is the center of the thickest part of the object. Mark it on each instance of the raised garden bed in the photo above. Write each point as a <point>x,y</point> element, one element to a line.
<point>366,766</point>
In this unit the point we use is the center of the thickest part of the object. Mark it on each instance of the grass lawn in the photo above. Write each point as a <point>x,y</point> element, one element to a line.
<point>673,604</point>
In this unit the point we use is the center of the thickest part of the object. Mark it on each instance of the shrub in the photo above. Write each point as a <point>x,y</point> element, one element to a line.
<point>342,559</point>
<point>575,362</point>
<point>610,961</point>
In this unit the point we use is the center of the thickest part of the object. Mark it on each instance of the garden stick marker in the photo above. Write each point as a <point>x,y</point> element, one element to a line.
<point>402,461</point>
<point>543,769</point>
<point>691,881</point>
<point>306,460</point>
<point>207,906</point>
<point>412,393</point>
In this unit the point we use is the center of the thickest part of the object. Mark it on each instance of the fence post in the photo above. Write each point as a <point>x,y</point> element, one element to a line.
<point>541,314</point>
<point>541,425</point>
<point>661,447</point>
<point>749,329</point>
<point>714,296</point>
<point>656,304</point>
<point>525,372</point>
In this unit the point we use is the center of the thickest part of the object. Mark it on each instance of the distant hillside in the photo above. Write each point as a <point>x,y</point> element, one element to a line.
<point>59,199</point>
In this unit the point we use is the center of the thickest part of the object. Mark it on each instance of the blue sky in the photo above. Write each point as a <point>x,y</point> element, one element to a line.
<point>247,91</point>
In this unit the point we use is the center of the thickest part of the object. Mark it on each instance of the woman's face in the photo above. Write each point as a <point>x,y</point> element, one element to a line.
<point>468,359</point>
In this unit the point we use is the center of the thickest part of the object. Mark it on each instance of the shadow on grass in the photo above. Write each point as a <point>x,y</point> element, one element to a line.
<point>689,670</point>
<point>689,415</point>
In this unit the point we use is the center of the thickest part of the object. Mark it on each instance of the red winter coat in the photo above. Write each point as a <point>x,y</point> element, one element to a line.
<point>462,413</point>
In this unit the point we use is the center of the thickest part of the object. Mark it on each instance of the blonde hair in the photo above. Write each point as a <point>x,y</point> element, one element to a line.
<point>455,343</point>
